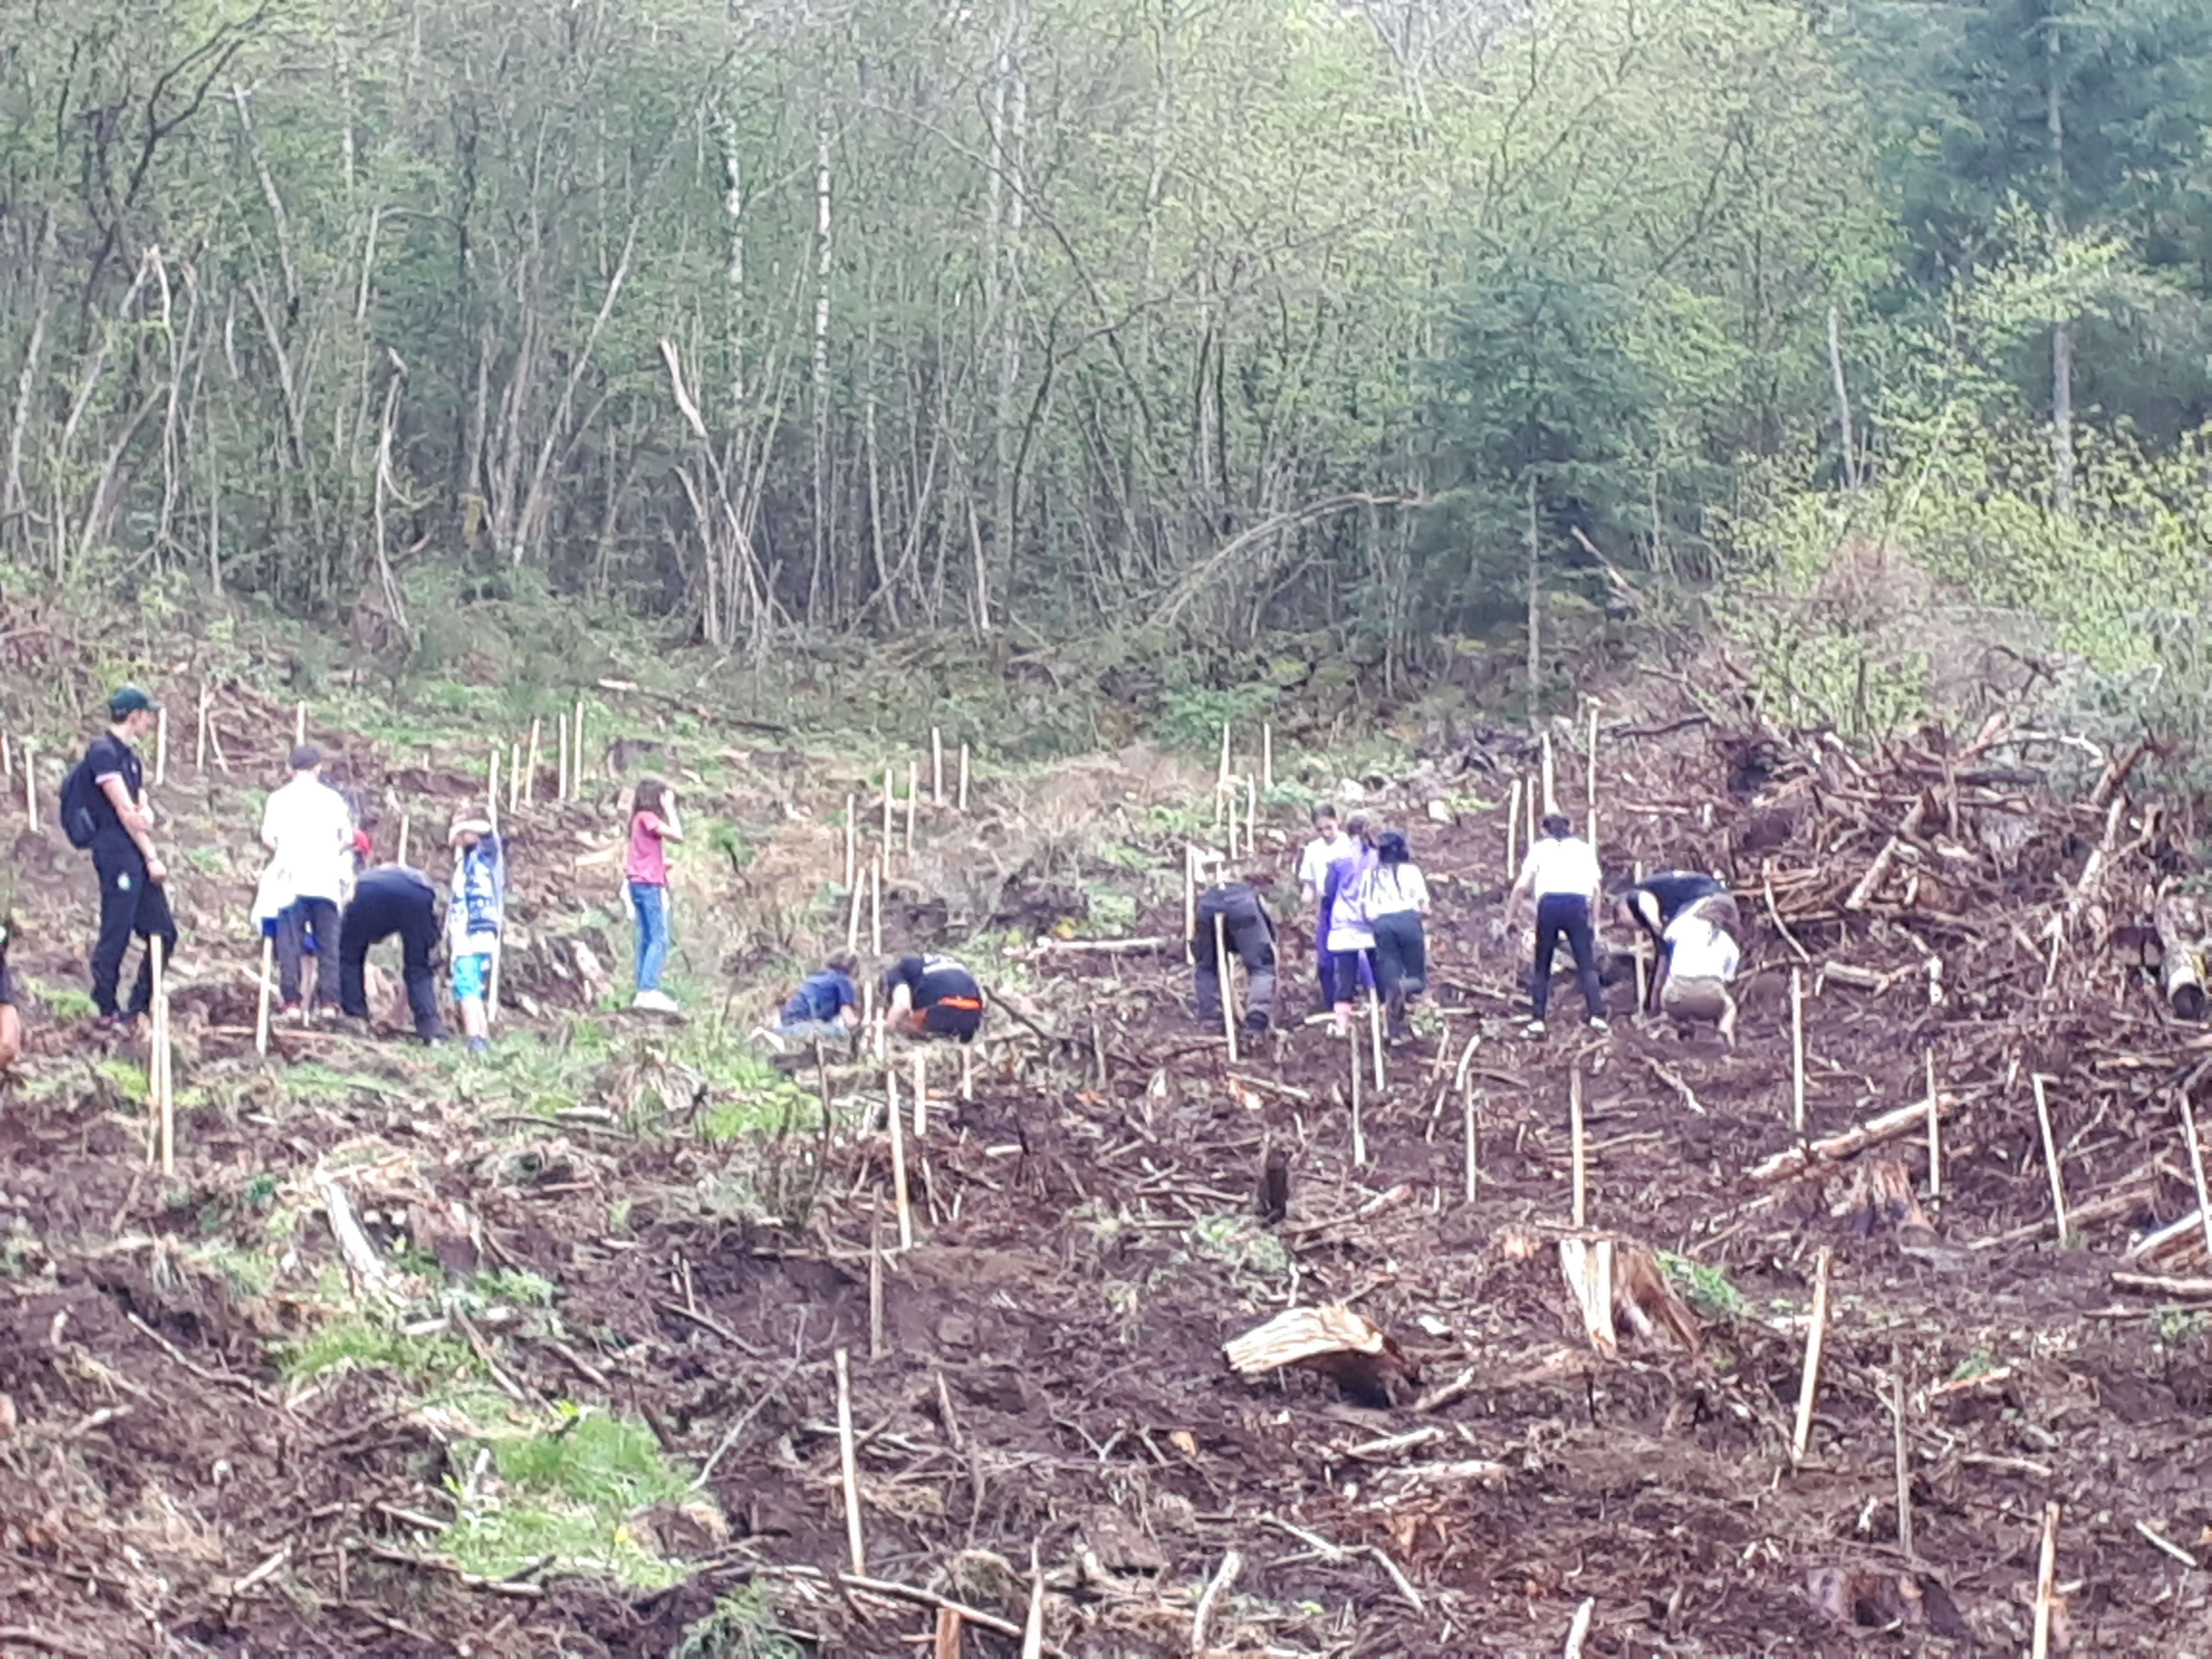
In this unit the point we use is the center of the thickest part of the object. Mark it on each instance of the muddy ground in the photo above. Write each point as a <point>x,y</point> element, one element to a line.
<point>1045,1378</point>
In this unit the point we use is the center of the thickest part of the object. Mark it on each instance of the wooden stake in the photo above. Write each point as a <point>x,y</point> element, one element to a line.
<point>30,784</point>
<point>1251,817</point>
<point>1934,1129</point>
<point>1267,756</point>
<point>1816,1337</point>
<point>2196,1170</point>
<point>1474,1143</point>
<point>537,759</point>
<point>1221,983</point>
<point>1512,832</point>
<point>1643,957</point>
<point>1033,1625</point>
<point>261,1018</point>
<point>1589,783</point>
<point>1903,1452</point>
<point>963,777</point>
<point>162,747</point>
<point>936,766</point>
<point>299,724</point>
<point>876,908</point>
<point>2046,1573</point>
<point>1359,1126</point>
<point>1551,792</point>
<point>887,810</point>
<point>1229,820</point>
<point>875,1276</point>
<point>1578,1628</point>
<point>921,1093</point>
<point>159,1098</point>
<point>1189,900</point>
<point>561,764</point>
<point>491,787</point>
<point>852,840</point>
<point>2051,1156</point>
<point>1797,1051</point>
<point>576,752</point>
<point>403,838</point>
<point>200,732</point>
<point>1529,818</point>
<point>1575,1134</point>
<point>852,915</point>
<point>967,1072</point>
<point>1221,781</point>
<point>848,1465</point>
<point>1375,1033</point>
<point>898,1158</point>
<point>515,777</point>
<point>912,788</point>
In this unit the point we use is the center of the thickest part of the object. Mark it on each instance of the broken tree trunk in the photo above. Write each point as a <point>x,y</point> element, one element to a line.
<point>1349,1349</point>
<point>2180,924</point>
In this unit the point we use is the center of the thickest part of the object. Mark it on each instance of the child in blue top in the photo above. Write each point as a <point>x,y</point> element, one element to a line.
<point>826,1007</point>
<point>475,911</point>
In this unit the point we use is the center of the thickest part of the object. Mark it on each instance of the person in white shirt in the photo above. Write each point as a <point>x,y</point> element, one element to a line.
<point>1329,844</point>
<point>308,830</point>
<point>1695,970</point>
<point>1394,896</point>
<point>1561,876</point>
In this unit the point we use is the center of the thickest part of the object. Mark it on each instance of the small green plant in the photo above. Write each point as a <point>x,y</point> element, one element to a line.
<point>2179,1327</point>
<point>1241,1243</point>
<point>1980,1363</point>
<point>360,1342</point>
<point>1706,1285</point>
<point>742,1626</point>
<point>63,1001</point>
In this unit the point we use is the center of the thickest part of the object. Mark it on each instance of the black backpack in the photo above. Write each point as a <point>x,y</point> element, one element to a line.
<point>79,795</point>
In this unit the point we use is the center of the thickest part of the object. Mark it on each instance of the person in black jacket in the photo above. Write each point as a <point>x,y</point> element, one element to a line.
<point>1249,933</point>
<point>133,895</point>
<point>394,899</point>
<point>933,996</point>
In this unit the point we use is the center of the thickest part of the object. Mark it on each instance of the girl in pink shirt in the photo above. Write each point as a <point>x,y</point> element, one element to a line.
<point>652,826</point>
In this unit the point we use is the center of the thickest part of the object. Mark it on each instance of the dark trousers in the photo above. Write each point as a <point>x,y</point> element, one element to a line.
<point>318,917</point>
<point>1401,960</point>
<point>1362,971</point>
<point>379,909</point>
<point>947,1019</point>
<point>1251,944</point>
<point>129,904</point>
<point>1566,915</point>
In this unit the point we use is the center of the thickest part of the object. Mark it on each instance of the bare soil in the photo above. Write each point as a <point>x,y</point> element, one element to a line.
<point>1049,1376</point>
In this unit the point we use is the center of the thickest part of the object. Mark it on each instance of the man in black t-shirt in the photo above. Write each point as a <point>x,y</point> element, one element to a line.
<point>11,1020</point>
<point>1249,933</point>
<point>933,996</point>
<point>394,899</point>
<point>132,896</point>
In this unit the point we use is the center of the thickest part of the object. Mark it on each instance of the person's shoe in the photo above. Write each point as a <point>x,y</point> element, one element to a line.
<point>288,1010</point>
<point>1534,1028</point>
<point>479,1046</point>
<point>1255,1024</point>
<point>654,1002</point>
<point>1601,1025</point>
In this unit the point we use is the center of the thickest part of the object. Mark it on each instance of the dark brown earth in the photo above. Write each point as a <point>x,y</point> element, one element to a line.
<point>1050,1376</point>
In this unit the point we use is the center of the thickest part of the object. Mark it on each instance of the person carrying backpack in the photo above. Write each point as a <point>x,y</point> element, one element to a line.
<point>104,811</point>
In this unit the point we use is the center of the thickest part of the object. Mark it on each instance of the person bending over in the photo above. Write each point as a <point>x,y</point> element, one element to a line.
<point>933,996</point>
<point>826,1006</point>
<point>394,899</point>
<point>1249,933</point>
<point>1561,878</point>
<point>1694,973</point>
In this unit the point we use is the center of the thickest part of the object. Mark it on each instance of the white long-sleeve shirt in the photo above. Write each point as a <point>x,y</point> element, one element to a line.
<point>1565,865</point>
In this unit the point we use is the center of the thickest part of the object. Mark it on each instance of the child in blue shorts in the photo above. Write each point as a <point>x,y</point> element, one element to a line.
<point>474,910</point>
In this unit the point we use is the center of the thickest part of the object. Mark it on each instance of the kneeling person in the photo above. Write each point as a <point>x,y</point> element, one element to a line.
<point>1694,973</point>
<point>933,996</point>
<point>394,899</point>
<point>826,1007</point>
<point>1249,933</point>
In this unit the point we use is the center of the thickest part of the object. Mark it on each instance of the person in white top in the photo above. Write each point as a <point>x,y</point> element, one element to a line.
<point>308,830</point>
<point>1344,929</point>
<point>1329,844</point>
<point>1695,970</point>
<point>1561,876</point>
<point>1395,896</point>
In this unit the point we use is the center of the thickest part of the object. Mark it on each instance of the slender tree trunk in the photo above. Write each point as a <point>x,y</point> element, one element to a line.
<point>2062,334</point>
<point>1843,399</point>
<point>821,385</point>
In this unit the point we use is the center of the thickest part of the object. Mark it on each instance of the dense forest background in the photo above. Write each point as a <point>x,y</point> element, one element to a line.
<point>1879,325</point>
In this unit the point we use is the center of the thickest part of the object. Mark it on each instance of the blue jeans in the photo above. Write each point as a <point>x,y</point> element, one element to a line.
<point>649,902</point>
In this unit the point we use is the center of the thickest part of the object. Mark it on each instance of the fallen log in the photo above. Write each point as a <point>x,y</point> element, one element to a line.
<point>2163,1284</point>
<point>2179,923</point>
<point>1898,1121</point>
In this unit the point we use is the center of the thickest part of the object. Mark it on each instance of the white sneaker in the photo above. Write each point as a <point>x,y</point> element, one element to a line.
<point>1534,1028</point>
<point>654,1002</point>
<point>1603,1027</point>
